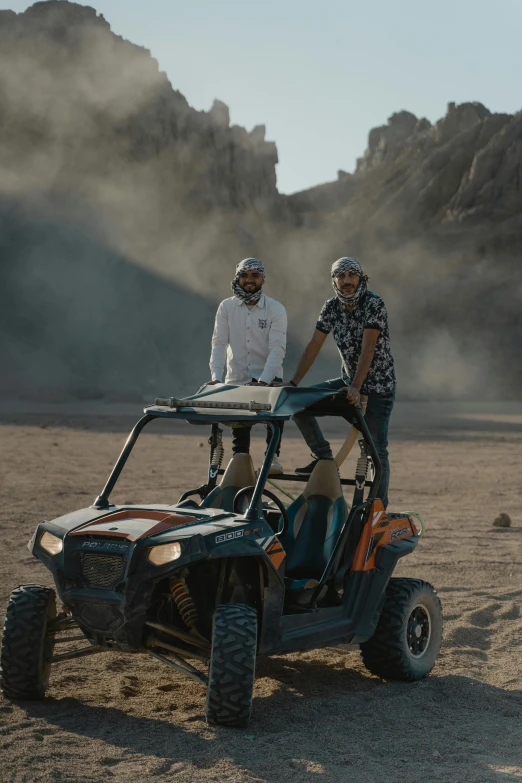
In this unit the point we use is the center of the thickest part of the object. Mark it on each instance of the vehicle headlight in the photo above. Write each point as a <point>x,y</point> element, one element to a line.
<point>164,553</point>
<point>52,544</point>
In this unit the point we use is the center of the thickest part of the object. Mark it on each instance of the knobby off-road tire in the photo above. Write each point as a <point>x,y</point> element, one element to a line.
<point>232,665</point>
<point>407,639</point>
<point>24,671</point>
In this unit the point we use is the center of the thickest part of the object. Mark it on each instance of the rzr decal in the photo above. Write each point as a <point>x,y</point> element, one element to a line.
<point>400,531</point>
<point>379,530</point>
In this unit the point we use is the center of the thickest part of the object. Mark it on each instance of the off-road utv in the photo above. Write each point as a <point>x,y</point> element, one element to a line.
<point>208,585</point>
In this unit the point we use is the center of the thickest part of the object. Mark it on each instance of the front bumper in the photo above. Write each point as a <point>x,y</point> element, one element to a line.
<point>108,586</point>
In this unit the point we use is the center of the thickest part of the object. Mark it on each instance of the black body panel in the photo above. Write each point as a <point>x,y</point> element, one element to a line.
<point>111,587</point>
<point>116,609</point>
<point>355,619</point>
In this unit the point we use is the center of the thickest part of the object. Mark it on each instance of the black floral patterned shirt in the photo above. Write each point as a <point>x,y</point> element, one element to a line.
<point>347,329</point>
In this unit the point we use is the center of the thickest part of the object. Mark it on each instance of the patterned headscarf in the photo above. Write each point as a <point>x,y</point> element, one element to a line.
<point>249,297</point>
<point>353,266</point>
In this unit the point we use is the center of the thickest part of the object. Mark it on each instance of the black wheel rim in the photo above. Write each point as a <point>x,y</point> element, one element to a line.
<point>418,632</point>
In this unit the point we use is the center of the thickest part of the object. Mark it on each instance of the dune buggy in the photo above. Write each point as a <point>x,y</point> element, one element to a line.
<point>228,573</point>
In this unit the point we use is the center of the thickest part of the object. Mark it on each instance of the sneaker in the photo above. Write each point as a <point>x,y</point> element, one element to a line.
<point>276,469</point>
<point>309,468</point>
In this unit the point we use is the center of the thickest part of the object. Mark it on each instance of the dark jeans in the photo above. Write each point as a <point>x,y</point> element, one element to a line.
<point>241,439</point>
<point>241,435</point>
<point>377,416</point>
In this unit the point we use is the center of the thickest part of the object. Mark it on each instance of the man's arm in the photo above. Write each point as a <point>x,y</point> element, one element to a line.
<point>369,342</point>
<point>309,356</point>
<point>276,347</point>
<point>220,340</point>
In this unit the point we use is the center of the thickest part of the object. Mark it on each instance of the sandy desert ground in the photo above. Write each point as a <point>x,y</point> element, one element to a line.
<point>318,716</point>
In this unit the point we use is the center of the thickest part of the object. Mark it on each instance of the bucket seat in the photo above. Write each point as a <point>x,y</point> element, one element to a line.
<point>239,473</point>
<point>315,519</point>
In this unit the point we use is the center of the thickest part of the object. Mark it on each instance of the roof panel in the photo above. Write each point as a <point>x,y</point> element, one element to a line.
<point>283,401</point>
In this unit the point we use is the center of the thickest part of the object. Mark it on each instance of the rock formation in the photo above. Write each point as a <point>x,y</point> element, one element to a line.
<point>436,171</point>
<point>492,188</point>
<point>387,142</point>
<point>123,211</point>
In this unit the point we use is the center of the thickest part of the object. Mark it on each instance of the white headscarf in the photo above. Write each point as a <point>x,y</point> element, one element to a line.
<point>349,265</point>
<point>249,297</point>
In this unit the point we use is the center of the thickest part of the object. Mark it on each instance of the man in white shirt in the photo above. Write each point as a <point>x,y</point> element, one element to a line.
<point>249,340</point>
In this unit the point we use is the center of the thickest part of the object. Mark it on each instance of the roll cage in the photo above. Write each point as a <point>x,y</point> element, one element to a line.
<point>248,405</point>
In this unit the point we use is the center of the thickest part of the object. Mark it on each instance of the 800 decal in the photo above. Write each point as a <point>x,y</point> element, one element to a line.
<point>228,536</point>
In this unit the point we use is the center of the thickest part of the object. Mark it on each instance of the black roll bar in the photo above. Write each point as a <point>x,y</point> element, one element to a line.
<point>302,479</point>
<point>102,501</point>
<point>252,511</point>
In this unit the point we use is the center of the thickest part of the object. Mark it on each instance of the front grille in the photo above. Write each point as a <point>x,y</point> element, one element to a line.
<point>101,570</point>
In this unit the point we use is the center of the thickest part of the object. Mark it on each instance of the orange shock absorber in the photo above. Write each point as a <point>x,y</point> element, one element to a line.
<point>186,606</point>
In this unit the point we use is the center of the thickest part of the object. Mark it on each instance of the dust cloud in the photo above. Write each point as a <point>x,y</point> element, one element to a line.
<point>123,212</point>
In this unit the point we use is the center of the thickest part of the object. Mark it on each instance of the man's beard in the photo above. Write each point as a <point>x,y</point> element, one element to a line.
<point>249,297</point>
<point>352,299</point>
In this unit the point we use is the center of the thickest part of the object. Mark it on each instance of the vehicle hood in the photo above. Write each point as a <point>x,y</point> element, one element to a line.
<point>136,522</point>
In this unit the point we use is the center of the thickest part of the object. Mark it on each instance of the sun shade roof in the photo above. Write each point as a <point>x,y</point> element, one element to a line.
<point>223,403</point>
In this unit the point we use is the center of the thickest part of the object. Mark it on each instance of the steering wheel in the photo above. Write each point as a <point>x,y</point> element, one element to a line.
<point>279,503</point>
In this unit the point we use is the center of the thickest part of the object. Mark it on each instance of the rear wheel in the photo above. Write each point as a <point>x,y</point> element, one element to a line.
<point>26,646</point>
<point>232,665</point>
<point>408,636</point>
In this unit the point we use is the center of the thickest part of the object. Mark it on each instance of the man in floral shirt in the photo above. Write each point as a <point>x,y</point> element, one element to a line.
<point>358,321</point>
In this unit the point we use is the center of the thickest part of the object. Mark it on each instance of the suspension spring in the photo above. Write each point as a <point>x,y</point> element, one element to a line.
<point>217,452</point>
<point>361,469</point>
<point>183,599</point>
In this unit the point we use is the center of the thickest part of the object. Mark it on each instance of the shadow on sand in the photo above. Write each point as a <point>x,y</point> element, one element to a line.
<point>312,718</point>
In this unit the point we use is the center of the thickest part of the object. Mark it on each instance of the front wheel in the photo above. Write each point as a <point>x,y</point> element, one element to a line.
<point>26,645</point>
<point>232,665</point>
<point>408,636</point>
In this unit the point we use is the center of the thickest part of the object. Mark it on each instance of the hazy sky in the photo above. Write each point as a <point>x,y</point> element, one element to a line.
<point>320,73</point>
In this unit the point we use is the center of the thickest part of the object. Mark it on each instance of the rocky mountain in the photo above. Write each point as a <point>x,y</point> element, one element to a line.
<point>84,103</point>
<point>436,211</point>
<point>463,168</point>
<point>123,211</point>
<point>107,177</point>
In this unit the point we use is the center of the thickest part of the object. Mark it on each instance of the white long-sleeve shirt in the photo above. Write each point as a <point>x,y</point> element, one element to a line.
<point>249,341</point>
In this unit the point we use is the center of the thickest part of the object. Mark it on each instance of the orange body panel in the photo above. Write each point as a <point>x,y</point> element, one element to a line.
<point>378,531</point>
<point>276,553</point>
